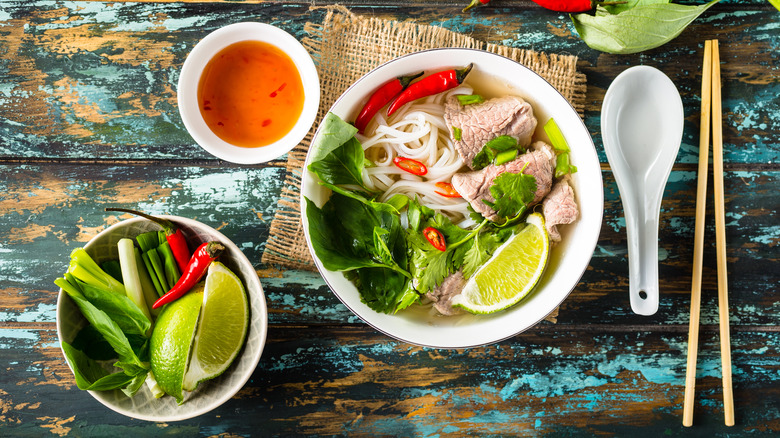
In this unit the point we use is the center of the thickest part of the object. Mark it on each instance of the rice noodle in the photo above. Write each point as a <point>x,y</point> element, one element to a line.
<point>416,131</point>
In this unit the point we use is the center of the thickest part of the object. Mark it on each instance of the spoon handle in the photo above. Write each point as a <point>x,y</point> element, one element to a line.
<point>642,232</point>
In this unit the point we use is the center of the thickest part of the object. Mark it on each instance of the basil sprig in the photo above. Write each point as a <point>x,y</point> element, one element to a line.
<point>636,26</point>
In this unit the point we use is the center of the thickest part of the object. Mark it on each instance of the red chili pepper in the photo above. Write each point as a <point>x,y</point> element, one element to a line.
<point>573,5</point>
<point>412,166</point>
<point>447,190</point>
<point>474,3</point>
<point>195,270</point>
<point>435,238</point>
<point>381,97</point>
<point>430,85</point>
<point>173,235</point>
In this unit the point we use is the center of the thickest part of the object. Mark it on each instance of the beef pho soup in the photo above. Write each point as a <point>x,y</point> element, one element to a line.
<point>469,140</point>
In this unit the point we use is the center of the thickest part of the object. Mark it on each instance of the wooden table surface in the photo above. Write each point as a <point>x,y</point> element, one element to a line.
<point>88,119</point>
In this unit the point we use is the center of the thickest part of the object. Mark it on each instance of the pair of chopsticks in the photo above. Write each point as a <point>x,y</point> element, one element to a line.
<point>710,97</point>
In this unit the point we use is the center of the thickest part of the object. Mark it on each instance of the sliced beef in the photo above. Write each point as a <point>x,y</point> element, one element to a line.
<point>482,122</point>
<point>559,207</point>
<point>475,186</point>
<point>442,295</point>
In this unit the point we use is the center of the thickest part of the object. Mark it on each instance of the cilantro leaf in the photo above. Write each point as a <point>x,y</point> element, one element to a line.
<point>428,265</point>
<point>485,244</point>
<point>512,192</point>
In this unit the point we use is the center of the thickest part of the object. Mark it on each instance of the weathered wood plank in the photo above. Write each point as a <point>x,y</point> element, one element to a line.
<point>353,381</point>
<point>102,83</point>
<point>47,210</point>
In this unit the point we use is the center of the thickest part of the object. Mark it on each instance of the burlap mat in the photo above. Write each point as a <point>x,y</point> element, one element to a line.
<point>347,46</point>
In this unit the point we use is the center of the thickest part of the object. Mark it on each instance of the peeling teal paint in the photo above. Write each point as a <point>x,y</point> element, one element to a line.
<point>39,313</point>
<point>12,339</point>
<point>565,379</point>
<point>769,235</point>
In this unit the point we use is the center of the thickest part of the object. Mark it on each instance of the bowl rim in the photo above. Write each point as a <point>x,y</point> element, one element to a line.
<point>203,52</point>
<point>262,335</point>
<point>307,179</point>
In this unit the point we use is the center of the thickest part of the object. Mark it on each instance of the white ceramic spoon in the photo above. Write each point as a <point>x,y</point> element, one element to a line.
<point>642,126</point>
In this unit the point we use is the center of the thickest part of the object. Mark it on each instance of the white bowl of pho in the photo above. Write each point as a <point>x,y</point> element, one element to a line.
<point>452,198</point>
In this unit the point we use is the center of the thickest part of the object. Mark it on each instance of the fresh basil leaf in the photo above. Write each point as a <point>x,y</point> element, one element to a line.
<point>380,246</point>
<point>621,7</point>
<point>109,329</point>
<point>91,342</point>
<point>119,308</point>
<point>342,232</point>
<point>333,133</point>
<point>643,27</point>
<point>89,374</point>
<point>344,165</point>
<point>135,384</point>
<point>380,288</point>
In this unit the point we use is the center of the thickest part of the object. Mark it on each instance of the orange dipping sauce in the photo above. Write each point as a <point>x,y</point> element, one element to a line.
<point>250,94</point>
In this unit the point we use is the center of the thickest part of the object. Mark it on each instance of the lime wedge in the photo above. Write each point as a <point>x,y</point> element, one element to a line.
<point>222,328</point>
<point>171,339</point>
<point>512,272</point>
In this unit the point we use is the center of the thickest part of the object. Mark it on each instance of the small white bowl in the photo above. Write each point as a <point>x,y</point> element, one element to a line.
<point>210,394</point>
<point>205,50</point>
<point>568,260</point>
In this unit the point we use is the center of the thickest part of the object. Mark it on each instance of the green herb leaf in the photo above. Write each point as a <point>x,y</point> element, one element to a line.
<point>502,143</point>
<point>90,375</point>
<point>640,28</point>
<point>622,7</point>
<point>380,289</point>
<point>333,133</point>
<point>344,165</point>
<point>135,384</point>
<point>512,192</point>
<point>120,309</point>
<point>485,244</point>
<point>338,157</point>
<point>109,329</point>
<point>457,133</point>
<point>417,214</point>
<point>483,158</point>
<point>428,265</point>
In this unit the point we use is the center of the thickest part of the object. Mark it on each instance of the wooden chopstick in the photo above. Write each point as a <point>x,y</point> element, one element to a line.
<point>710,103</point>
<point>720,238</point>
<point>698,240</point>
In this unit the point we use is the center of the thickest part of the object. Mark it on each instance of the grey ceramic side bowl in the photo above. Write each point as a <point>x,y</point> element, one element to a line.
<point>211,394</point>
